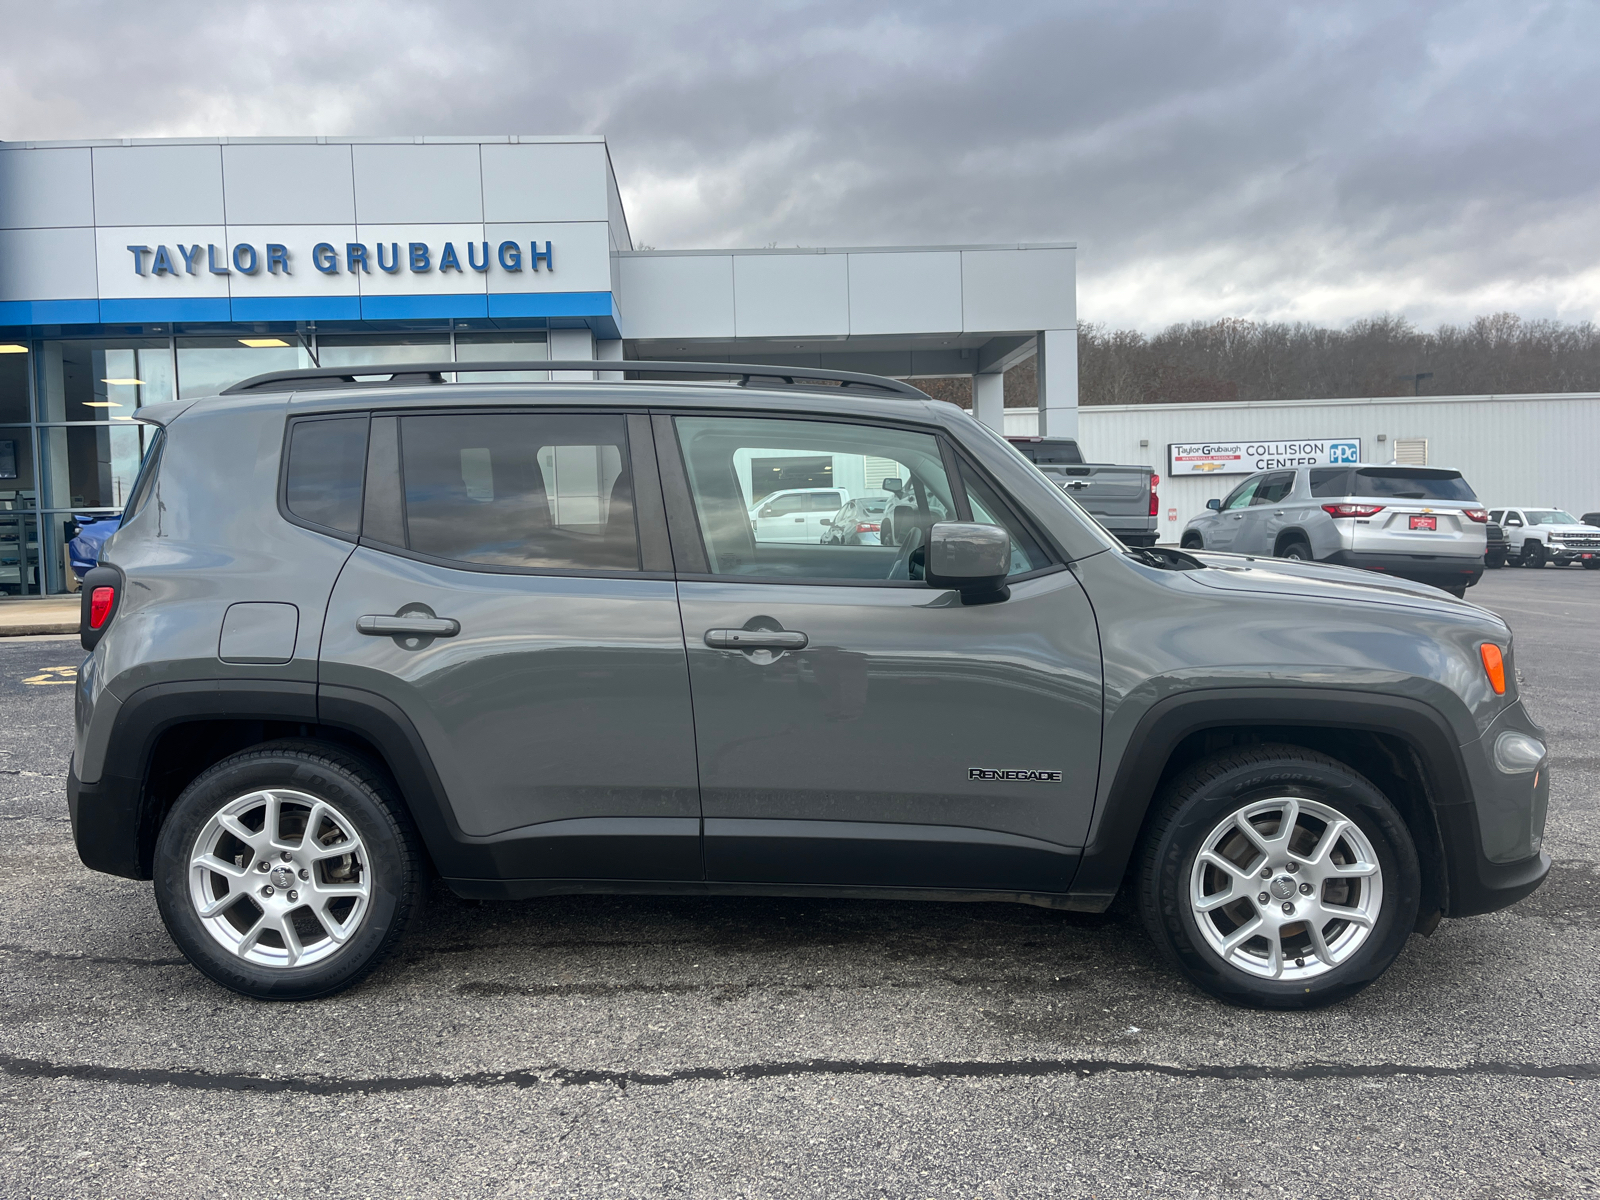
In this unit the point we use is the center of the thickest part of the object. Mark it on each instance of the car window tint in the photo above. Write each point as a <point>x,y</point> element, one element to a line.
<point>721,453</point>
<point>520,490</point>
<point>1410,483</point>
<point>987,509</point>
<point>783,506</point>
<point>1274,488</point>
<point>825,501</point>
<point>1330,481</point>
<point>1496,514</point>
<point>327,459</point>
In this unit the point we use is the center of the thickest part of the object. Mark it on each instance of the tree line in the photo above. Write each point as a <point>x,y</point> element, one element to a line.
<point>1239,360</point>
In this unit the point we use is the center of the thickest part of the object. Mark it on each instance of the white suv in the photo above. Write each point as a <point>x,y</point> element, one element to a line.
<point>1536,536</point>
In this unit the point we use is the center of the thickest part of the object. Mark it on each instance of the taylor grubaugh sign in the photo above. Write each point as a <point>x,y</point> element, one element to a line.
<point>1246,458</point>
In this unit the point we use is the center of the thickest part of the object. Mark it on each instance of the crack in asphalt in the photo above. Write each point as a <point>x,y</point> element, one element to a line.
<point>195,1080</point>
<point>108,959</point>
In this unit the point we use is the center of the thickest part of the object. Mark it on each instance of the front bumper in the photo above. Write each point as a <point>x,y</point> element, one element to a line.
<point>1437,569</point>
<point>1566,555</point>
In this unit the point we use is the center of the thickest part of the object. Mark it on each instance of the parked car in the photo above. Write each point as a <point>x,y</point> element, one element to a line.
<point>796,515</point>
<point>858,523</point>
<point>1536,537</point>
<point>1494,543</point>
<point>1591,519</point>
<point>87,533</point>
<point>1123,499</point>
<point>1419,523</point>
<point>352,637</point>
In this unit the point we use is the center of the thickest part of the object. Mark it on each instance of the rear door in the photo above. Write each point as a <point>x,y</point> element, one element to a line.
<point>783,518</point>
<point>820,511</point>
<point>856,727</point>
<point>548,681</point>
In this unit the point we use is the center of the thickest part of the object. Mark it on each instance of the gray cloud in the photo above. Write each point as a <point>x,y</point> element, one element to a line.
<point>1273,160</point>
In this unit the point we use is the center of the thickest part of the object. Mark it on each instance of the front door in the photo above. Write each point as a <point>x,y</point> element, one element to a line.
<point>858,728</point>
<point>1225,530</point>
<point>1267,515</point>
<point>499,600</point>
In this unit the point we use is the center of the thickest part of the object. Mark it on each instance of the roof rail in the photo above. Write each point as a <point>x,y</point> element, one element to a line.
<point>407,374</point>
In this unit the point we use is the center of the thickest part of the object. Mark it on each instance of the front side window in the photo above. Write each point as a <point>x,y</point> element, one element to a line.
<point>899,474</point>
<point>531,491</point>
<point>1242,495</point>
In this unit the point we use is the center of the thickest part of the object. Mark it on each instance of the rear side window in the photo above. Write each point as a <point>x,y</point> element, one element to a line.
<point>1330,481</point>
<point>520,490</point>
<point>1410,483</point>
<point>327,459</point>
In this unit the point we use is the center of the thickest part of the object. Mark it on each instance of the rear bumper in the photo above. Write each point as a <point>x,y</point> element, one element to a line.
<point>105,825</point>
<point>1437,569</point>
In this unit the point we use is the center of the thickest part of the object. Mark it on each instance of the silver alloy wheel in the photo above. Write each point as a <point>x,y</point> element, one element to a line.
<point>280,878</point>
<point>1286,888</point>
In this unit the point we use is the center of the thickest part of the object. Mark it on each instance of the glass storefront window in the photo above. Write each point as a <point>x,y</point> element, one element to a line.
<point>102,380</point>
<point>16,466</point>
<point>503,347</point>
<point>207,365</point>
<point>371,349</point>
<point>14,358</point>
<point>19,551</point>
<point>91,466</point>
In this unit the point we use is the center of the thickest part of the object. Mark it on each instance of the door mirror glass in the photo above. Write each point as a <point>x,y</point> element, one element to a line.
<point>893,484</point>
<point>971,557</point>
<point>1214,505</point>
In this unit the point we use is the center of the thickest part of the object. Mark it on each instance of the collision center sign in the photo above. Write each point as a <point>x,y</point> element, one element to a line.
<point>1245,458</point>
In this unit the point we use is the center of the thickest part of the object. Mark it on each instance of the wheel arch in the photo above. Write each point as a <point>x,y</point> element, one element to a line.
<point>1286,536</point>
<point>1405,747</point>
<point>167,734</point>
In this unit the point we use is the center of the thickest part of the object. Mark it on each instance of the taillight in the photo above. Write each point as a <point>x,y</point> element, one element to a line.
<point>1480,515</point>
<point>100,602</point>
<point>1155,502</point>
<point>863,527</point>
<point>1352,510</point>
<point>1155,479</point>
<point>1494,665</point>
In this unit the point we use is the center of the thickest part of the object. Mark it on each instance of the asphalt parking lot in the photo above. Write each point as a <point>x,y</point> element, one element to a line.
<point>627,1046</point>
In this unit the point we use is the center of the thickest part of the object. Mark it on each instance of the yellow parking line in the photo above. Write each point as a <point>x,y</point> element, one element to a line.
<point>53,675</point>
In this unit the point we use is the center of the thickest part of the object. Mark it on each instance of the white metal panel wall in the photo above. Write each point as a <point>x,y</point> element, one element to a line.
<point>1535,450</point>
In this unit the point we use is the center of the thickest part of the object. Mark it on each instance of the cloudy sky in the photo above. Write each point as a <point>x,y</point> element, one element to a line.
<point>1318,161</point>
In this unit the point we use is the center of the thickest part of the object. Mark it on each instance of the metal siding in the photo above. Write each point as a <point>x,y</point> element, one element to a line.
<point>44,189</point>
<point>667,296</point>
<point>288,185</point>
<point>905,293</point>
<point>418,185</point>
<point>791,295</point>
<point>533,182</point>
<point>47,264</point>
<point>158,185</point>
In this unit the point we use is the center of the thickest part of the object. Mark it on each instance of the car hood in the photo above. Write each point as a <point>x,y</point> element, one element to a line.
<point>1246,573</point>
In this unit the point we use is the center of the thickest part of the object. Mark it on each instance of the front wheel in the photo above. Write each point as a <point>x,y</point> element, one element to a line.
<point>1533,553</point>
<point>1591,564</point>
<point>1277,877</point>
<point>288,872</point>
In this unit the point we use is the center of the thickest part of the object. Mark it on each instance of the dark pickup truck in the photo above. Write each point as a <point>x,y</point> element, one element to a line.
<point>1123,499</point>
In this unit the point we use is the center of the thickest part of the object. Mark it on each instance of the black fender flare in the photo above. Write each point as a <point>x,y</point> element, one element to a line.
<point>1119,819</point>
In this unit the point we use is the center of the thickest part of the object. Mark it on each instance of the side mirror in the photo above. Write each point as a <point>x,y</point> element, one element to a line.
<point>893,484</point>
<point>765,512</point>
<point>972,558</point>
<point>1214,505</point>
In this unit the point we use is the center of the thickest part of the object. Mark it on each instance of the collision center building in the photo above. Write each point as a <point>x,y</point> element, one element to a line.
<point>133,271</point>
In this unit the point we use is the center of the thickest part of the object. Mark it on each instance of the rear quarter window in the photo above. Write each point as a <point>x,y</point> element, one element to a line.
<point>327,461</point>
<point>1330,481</point>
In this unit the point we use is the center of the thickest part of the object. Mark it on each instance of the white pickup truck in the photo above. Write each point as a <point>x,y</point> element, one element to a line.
<point>1536,536</point>
<point>1123,499</point>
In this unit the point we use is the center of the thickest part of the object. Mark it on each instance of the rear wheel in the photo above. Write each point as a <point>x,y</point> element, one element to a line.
<point>1299,551</point>
<point>287,872</point>
<point>1277,877</point>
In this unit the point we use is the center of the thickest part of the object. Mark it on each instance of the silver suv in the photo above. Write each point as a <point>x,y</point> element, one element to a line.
<point>1419,523</point>
<point>520,638</point>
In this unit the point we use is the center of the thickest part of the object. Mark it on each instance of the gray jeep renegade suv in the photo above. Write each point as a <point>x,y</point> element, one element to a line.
<point>523,636</point>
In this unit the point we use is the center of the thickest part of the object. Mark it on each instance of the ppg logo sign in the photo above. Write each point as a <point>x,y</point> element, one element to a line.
<point>1344,452</point>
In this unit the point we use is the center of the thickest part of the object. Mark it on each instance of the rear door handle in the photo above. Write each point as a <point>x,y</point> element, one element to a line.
<point>756,639</point>
<point>382,626</point>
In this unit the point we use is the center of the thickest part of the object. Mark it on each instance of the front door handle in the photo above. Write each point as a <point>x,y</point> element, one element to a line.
<point>408,626</point>
<point>756,639</point>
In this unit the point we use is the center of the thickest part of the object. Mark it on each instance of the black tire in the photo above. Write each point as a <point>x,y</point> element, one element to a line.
<point>1459,591</point>
<point>1533,553</point>
<point>1192,541</point>
<point>1297,550</point>
<point>1494,561</point>
<point>1201,798</point>
<point>359,794</point>
<point>1591,564</point>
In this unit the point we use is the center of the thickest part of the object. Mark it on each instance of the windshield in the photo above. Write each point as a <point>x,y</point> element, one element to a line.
<point>1551,516</point>
<point>1091,522</point>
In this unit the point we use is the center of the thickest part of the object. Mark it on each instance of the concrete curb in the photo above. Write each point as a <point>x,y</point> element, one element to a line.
<point>26,618</point>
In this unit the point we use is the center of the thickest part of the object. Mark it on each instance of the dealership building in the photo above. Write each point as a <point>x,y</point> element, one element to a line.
<point>139,270</point>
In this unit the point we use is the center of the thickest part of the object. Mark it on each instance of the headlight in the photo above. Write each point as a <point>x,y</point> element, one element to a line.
<point>1516,753</point>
